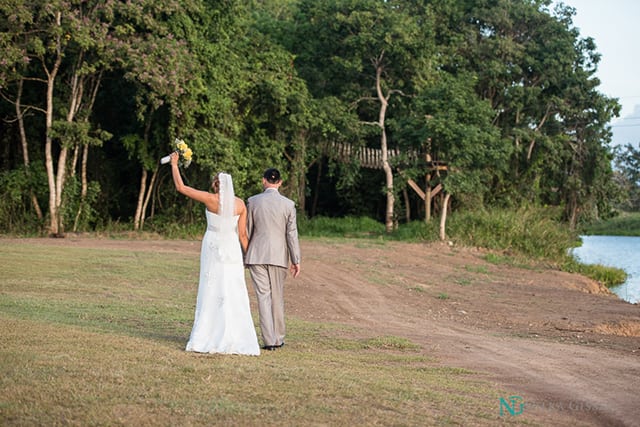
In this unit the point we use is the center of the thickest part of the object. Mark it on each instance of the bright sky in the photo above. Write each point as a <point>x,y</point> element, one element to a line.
<point>615,27</point>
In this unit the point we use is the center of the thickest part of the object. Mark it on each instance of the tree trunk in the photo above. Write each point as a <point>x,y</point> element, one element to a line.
<point>443,217</point>
<point>297,181</point>
<point>84,185</point>
<point>54,214</point>
<point>60,181</point>
<point>74,160</point>
<point>572,210</point>
<point>407,204</point>
<point>138,219</point>
<point>301,180</point>
<point>83,173</point>
<point>316,193</point>
<point>25,147</point>
<point>148,197</point>
<point>139,205</point>
<point>76,102</point>
<point>388,173</point>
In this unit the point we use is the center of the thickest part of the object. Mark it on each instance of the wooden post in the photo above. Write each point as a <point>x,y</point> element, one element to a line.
<point>407,204</point>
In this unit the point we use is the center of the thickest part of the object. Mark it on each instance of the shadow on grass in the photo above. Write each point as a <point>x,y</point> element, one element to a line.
<point>169,325</point>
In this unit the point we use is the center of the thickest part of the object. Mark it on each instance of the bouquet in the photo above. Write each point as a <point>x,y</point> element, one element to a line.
<point>183,150</point>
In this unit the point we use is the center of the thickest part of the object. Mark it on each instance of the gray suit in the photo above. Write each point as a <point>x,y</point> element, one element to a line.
<point>273,244</point>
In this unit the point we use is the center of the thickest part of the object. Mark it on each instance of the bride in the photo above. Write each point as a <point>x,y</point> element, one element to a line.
<point>223,322</point>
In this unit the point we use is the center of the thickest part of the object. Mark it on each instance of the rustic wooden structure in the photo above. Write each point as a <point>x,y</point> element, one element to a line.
<point>372,158</point>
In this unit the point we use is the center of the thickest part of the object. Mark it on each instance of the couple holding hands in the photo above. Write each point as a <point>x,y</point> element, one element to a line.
<point>265,230</point>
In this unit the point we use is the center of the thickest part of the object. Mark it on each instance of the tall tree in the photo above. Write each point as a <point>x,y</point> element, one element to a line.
<point>627,161</point>
<point>539,77</point>
<point>71,43</point>
<point>365,52</point>
<point>56,37</point>
<point>156,56</point>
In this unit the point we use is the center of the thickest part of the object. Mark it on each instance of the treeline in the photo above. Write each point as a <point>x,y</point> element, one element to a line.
<point>500,95</point>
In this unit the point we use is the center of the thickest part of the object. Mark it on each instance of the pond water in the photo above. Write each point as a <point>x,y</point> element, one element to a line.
<point>614,251</point>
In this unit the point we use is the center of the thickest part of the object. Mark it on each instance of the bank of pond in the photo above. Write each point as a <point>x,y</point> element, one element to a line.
<point>621,252</point>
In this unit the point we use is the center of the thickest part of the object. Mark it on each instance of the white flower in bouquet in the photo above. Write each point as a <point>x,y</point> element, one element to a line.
<point>183,150</point>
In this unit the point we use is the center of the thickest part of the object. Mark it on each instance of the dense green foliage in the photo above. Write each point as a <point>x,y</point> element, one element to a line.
<point>503,92</point>
<point>627,161</point>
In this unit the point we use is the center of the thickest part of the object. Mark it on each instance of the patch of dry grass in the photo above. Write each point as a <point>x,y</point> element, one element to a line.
<point>96,337</point>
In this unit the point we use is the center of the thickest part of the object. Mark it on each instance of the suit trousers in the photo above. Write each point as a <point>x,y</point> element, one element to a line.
<point>268,282</point>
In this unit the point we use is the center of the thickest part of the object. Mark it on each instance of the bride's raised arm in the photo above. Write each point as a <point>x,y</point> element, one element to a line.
<point>198,195</point>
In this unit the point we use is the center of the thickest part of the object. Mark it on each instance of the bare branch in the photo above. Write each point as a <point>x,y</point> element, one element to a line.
<point>364,98</point>
<point>371,124</point>
<point>34,79</point>
<point>400,92</point>
<point>26,108</point>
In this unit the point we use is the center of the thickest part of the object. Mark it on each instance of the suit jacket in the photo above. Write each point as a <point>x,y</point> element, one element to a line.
<point>273,230</point>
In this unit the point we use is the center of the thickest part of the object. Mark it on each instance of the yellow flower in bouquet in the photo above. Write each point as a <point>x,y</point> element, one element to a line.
<point>184,151</point>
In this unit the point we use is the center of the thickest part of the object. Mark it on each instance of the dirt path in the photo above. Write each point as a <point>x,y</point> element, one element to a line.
<point>571,351</point>
<point>558,340</point>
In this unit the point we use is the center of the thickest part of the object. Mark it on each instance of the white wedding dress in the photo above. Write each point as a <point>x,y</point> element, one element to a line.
<point>223,322</point>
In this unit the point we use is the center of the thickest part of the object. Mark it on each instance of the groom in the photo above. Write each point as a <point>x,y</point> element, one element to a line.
<point>273,245</point>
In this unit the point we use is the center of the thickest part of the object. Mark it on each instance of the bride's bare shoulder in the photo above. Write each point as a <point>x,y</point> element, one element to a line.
<point>213,203</point>
<point>239,207</point>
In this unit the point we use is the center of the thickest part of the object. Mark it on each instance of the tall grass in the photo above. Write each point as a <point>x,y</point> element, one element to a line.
<point>608,276</point>
<point>625,224</point>
<point>531,231</point>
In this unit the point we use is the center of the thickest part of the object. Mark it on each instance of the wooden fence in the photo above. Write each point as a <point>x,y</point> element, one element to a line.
<point>370,158</point>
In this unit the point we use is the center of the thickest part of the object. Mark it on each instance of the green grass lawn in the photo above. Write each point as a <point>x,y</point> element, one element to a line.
<point>96,337</point>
